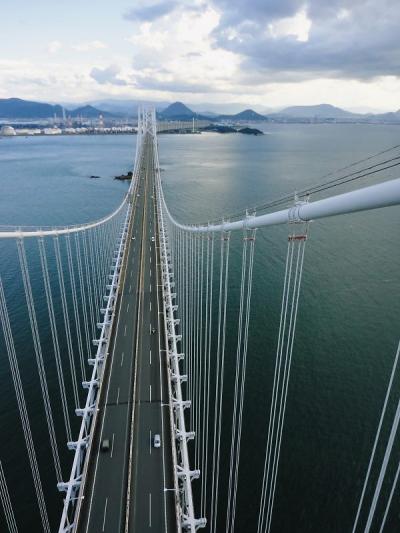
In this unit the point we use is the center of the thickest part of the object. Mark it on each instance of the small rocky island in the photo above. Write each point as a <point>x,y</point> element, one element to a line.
<point>123,177</point>
<point>222,128</point>
<point>250,131</point>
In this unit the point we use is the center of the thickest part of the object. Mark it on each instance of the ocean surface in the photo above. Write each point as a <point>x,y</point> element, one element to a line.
<point>347,330</point>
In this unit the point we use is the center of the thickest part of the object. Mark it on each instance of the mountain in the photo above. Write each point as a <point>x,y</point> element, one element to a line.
<point>178,111</point>
<point>124,107</point>
<point>232,108</point>
<point>247,115</point>
<point>386,117</point>
<point>315,111</point>
<point>88,111</point>
<point>17,108</point>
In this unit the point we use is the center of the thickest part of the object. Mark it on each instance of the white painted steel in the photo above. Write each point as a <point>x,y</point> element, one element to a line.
<point>381,195</point>
<point>182,471</point>
<point>74,487</point>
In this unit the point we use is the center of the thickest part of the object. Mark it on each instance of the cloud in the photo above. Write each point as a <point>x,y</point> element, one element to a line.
<point>291,39</point>
<point>172,85</point>
<point>92,45</point>
<point>53,47</point>
<point>151,12</point>
<point>174,55</point>
<point>107,75</point>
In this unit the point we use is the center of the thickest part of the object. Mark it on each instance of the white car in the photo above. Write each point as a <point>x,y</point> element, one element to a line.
<point>157,441</point>
<point>105,445</point>
<point>152,239</point>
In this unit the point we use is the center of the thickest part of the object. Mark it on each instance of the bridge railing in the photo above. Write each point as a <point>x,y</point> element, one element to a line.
<point>77,275</point>
<point>183,474</point>
<point>190,265</point>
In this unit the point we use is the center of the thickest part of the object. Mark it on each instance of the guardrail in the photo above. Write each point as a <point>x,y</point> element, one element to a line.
<point>183,475</point>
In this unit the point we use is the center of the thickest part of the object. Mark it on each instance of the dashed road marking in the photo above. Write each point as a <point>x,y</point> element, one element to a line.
<point>112,445</point>
<point>105,513</point>
<point>149,509</point>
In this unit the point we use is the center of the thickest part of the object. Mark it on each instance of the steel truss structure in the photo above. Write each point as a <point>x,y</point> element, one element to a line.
<point>183,474</point>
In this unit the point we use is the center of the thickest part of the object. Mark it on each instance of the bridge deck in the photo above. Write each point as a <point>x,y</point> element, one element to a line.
<point>136,372</point>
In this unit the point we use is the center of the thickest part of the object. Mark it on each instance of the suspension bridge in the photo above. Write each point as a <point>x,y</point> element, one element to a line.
<point>127,321</point>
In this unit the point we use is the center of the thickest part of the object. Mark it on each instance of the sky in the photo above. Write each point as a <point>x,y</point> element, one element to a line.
<point>259,53</point>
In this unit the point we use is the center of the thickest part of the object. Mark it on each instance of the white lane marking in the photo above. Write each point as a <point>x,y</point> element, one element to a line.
<point>102,428</point>
<point>125,331</point>
<point>150,305</point>
<point>118,396</point>
<point>150,356</point>
<point>150,272</point>
<point>150,443</point>
<point>130,289</point>
<point>150,287</point>
<point>112,445</point>
<point>150,393</point>
<point>105,512</point>
<point>127,308</point>
<point>150,259</point>
<point>161,404</point>
<point>149,509</point>
<point>122,358</point>
<point>131,273</point>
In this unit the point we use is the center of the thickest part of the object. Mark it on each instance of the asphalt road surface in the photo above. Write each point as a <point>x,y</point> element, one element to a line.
<point>126,483</point>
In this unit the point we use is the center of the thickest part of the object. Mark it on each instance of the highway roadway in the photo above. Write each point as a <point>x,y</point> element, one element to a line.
<point>125,488</point>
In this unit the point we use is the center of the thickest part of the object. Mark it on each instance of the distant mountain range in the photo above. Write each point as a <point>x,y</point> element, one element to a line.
<point>88,111</point>
<point>17,109</point>
<point>247,114</point>
<point>317,111</point>
<point>178,111</point>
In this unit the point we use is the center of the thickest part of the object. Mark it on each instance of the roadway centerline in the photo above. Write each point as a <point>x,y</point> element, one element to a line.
<point>150,443</point>
<point>112,445</point>
<point>149,509</point>
<point>105,513</point>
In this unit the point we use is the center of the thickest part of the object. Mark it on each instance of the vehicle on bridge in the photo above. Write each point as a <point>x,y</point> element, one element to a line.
<point>105,445</point>
<point>157,441</point>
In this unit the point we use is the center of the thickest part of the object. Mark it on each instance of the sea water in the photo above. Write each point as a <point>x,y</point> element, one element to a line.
<point>347,329</point>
